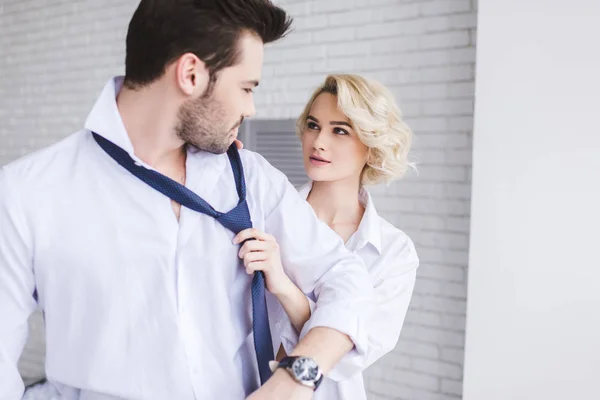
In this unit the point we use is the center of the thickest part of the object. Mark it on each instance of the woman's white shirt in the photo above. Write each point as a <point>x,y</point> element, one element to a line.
<point>392,262</point>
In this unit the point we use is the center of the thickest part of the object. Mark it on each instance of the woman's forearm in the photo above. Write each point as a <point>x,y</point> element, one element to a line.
<point>295,304</point>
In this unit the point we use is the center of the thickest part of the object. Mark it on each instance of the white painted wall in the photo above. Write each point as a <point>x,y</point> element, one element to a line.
<point>533,327</point>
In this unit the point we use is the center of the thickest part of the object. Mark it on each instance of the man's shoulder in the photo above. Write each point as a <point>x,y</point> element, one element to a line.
<point>258,167</point>
<point>266,184</point>
<point>42,163</point>
<point>253,158</point>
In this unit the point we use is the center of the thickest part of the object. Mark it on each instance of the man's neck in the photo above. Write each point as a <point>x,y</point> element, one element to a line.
<point>150,122</point>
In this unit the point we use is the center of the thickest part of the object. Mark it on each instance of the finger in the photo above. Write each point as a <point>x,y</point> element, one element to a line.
<point>239,144</point>
<point>254,245</point>
<point>255,256</point>
<point>251,233</point>
<point>243,235</point>
<point>256,266</point>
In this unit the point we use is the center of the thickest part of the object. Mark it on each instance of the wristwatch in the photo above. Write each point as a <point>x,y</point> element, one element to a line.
<point>304,370</point>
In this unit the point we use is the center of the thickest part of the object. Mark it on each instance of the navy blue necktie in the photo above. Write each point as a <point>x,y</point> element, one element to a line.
<point>235,220</point>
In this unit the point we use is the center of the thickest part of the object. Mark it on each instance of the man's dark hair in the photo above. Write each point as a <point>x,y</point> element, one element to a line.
<point>161,31</point>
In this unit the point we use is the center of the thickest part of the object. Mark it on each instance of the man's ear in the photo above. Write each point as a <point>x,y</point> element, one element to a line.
<point>191,75</point>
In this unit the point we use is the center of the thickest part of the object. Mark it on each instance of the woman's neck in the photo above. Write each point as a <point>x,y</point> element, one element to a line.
<point>336,202</point>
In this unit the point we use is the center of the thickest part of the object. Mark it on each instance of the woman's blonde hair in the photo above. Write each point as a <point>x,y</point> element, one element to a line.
<point>377,121</point>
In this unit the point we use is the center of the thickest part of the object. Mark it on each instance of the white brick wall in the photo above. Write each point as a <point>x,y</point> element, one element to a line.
<point>55,56</point>
<point>425,52</point>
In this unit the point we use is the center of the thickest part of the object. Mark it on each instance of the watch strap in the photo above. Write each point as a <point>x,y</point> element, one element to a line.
<point>286,362</point>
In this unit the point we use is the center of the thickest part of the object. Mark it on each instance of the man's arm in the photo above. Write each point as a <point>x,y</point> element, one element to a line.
<point>16,290</point>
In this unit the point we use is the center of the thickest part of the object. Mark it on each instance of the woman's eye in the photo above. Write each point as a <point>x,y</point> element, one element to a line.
<point>340,131</point>
<point>312,125</point>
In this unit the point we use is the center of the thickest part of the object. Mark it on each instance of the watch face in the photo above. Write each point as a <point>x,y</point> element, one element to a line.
<point>305,369</point>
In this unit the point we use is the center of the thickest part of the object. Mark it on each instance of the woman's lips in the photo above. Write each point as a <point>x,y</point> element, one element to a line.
<point>318,161</point>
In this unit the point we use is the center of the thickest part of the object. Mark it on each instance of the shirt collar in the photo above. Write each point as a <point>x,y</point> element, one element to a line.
<point>105,119</point>
<point>369,229</point>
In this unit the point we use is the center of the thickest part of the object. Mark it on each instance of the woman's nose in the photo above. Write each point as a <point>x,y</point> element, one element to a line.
<point>319,143</point>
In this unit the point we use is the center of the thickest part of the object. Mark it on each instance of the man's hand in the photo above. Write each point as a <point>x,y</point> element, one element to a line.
<point>281,386</point>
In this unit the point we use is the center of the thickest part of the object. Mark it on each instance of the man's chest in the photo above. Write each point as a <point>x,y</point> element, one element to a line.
<point>97,236</point>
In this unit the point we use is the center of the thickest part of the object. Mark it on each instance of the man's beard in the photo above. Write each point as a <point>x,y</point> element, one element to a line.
<point>202,124</point>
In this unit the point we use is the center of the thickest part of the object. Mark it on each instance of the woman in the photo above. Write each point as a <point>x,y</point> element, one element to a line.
<point>352,135</point>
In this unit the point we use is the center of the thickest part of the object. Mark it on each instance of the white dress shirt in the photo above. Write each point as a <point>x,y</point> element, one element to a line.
<point>138,305</point>
<point>391,261</point>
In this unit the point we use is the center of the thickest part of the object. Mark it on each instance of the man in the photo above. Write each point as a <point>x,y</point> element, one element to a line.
<point>143,298</point>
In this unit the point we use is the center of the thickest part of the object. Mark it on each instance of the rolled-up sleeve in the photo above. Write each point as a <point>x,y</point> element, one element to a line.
<point>16,290</point>
<point>393,293</point>
<point>317,261</point>
<point>393,279</point>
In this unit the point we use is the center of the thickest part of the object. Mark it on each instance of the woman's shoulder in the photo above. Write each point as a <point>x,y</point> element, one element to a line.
<point>395,243</point>
<point>389,240</point>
